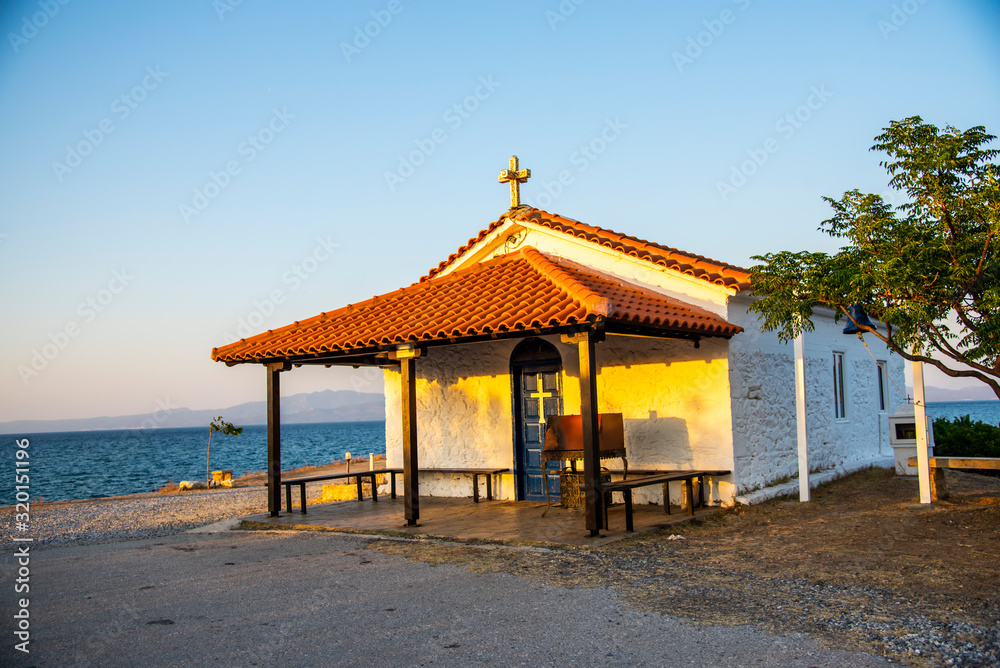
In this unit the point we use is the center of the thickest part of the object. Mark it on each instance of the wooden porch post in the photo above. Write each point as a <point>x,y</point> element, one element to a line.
<point>920,416</point>
<point>274,438</point>
<point>411,496</point>
<point>594,497</point>
<point>800,417</point>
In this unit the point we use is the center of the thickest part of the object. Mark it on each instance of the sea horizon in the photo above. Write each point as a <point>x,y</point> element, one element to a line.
<point>93,464</point>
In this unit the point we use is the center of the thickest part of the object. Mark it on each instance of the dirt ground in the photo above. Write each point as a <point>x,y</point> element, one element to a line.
<point>863,566</point>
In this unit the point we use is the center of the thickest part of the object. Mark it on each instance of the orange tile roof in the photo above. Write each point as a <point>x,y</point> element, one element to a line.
<point>699,266</point>
<point>521,291</point>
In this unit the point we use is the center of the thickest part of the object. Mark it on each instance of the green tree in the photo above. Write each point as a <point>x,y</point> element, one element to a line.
<point>227,429</point>
<point>928,269</point>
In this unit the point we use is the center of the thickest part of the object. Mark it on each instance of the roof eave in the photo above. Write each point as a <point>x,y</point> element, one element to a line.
<point>369,356</point>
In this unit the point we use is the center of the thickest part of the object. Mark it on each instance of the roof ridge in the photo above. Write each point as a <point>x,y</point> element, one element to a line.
<point>590,300</point>
<point>527,214</point>
<point>698,266</point>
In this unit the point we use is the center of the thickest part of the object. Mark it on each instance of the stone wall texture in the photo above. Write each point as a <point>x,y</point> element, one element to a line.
<point>763,396</point>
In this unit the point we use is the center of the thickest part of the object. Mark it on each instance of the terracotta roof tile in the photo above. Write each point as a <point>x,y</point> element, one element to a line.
<point>521,291</point>
<point>699,266</point>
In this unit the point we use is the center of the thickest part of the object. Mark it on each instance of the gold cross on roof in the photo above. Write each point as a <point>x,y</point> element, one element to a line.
<point>516,178</point>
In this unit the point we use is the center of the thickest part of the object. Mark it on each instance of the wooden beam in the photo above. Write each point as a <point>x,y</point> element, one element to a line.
<point>959,462</point>
<point>593,495</point>
<point>411,492</point>
<point>274,437</point>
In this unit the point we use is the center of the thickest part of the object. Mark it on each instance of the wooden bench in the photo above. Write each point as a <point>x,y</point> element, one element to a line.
<point>392,473</point>
<point>660,478</point>
<point>486,473</point>
<point>939,489</point>
<point>370,475</point>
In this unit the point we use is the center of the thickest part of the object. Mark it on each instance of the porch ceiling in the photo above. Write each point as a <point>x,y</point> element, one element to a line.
<point>523,293</point>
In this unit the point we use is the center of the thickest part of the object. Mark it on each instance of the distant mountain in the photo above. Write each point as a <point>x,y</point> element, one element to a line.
<point>312,407</point>
<point>979,392</point>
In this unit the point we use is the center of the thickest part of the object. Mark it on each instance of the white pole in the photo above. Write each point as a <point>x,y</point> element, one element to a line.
<point>920,415</point>
<point>800,417</point>
<point>371,461</point>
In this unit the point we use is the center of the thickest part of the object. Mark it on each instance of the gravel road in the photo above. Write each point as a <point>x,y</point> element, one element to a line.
<point>312,599</point>
<point>113,580</point>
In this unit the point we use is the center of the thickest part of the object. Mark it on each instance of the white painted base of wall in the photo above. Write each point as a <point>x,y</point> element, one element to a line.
<point>792,487</point>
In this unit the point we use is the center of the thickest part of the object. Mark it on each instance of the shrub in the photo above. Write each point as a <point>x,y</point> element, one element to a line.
<point>170,487</point>
<point>962,437</point>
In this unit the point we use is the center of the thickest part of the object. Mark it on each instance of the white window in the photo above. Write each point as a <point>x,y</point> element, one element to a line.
<point>883,387</point>
<point>839,404</point>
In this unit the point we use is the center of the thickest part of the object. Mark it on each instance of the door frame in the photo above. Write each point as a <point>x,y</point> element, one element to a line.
<point>534,355</point>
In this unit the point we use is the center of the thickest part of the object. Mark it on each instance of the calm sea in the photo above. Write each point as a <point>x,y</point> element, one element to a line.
<point>92,464</point>
<point>983,411</point>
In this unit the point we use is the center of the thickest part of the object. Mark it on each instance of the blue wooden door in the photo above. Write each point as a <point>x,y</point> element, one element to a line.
<point>540,397</point>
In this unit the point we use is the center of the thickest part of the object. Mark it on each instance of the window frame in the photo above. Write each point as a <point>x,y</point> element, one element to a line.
<point>839,389</point>
<point>883,385</point>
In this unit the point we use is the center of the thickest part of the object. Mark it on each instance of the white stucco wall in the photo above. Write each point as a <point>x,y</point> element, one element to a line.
<point>763,398</point>
<point>464,415</point>
<point>674,399</point>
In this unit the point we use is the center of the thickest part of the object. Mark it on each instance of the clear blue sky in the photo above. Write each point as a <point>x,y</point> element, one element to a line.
<point>115,116</point>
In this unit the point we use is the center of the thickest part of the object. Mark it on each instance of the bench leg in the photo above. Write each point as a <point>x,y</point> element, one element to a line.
<point>627,495</point>
<point>666,498</point>
<point>302,498</point>
<point>361,493</point>
<point>288,498</point>
<point>701,492</point>
<point>393,484</point>
<point>545,483</point>
<point>939,490</point>
<point>475,488</point>
<point>690,494</point>
<point>489,487</point>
